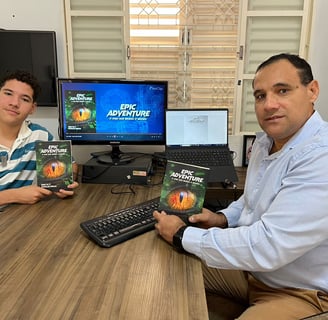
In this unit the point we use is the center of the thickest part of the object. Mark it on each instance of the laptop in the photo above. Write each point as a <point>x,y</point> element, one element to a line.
<point>192,133</point>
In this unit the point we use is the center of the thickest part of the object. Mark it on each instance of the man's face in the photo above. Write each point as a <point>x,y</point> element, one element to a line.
<point>16,102</point>
<point>282,103</point>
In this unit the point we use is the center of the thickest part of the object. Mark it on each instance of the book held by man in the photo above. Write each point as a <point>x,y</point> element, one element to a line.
<point>184,188</point>
<point>54,164</point>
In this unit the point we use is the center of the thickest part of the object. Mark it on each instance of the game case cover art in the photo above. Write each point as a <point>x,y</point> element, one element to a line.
<point>80,111</point>
<point>54,164</point>
<point>184,188</point>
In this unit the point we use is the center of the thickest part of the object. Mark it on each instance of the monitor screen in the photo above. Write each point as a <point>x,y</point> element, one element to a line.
<point>33,51</point>
<point>112,112</point>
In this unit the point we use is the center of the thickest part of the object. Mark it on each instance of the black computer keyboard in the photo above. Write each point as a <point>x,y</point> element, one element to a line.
<point>118,226</point>
<point>205,158</point>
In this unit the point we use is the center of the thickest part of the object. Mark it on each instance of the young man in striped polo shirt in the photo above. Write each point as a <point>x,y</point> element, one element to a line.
<point>18,95</point>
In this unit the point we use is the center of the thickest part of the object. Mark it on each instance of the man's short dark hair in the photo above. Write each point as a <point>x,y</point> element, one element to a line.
<point>303,67</point>
<point>23,76</point>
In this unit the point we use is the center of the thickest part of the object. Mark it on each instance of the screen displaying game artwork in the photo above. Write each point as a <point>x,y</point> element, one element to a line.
<point>112,112</point>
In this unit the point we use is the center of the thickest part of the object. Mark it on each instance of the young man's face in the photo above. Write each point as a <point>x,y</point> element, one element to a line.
<point>16,102</point>
<point>282,103</point>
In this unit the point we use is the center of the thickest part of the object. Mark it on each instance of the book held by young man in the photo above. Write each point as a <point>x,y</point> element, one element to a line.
<point>184,188</point>
<point>54,164</point>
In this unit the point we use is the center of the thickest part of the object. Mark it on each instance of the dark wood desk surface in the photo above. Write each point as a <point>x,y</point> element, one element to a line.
<point>50,270</point>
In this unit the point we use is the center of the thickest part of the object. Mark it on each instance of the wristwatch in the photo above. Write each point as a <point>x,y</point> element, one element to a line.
<point>177,239</point>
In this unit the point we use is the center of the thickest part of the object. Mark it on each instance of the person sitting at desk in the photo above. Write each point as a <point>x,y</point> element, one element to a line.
<point>276,232</point>
<point>18,95</point>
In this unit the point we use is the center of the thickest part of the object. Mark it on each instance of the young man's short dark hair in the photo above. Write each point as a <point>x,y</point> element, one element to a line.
<point>23,76</point>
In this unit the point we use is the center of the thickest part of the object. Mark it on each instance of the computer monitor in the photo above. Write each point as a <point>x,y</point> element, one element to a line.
<point>112,112</point>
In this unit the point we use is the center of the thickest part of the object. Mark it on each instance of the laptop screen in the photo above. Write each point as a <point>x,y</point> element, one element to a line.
<point>195,127</point>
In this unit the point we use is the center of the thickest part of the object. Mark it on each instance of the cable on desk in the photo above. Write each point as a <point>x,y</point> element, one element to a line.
<point>235,194</point>
<point>130,186</point>
<point>130,191</point>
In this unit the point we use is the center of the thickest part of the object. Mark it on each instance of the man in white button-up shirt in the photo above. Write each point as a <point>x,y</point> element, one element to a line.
<point>276,233</point>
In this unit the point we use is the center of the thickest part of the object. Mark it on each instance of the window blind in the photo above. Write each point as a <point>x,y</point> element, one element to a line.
<point>190,43</point>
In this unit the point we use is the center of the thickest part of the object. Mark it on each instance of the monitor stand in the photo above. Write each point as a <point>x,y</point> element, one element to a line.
<point>114,157</point>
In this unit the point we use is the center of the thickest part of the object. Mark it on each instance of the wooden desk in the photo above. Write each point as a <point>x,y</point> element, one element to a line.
<point>50,270</point>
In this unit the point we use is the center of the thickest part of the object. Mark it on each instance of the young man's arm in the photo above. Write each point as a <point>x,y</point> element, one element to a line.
<point>24,195</point>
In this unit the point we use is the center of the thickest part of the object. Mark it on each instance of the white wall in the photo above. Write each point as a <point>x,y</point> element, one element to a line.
<point>318,54</point>
<point>49,15</point>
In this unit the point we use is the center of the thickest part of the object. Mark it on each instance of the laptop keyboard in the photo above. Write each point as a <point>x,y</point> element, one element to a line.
<point>204,157</point>
<point>118,226</point>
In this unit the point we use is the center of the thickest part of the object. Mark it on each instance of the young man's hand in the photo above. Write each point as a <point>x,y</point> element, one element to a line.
<point>67,193</point>
<point>24,195</point>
